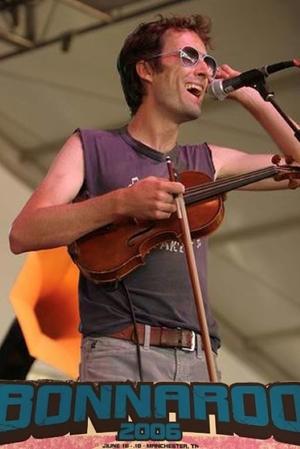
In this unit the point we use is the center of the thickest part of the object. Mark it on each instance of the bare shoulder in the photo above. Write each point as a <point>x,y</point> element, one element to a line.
<point>230,161</point>
<point>64,178</point>
<point>70,155</point>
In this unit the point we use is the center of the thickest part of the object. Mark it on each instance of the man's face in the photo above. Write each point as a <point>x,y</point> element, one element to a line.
<point>177,90</point>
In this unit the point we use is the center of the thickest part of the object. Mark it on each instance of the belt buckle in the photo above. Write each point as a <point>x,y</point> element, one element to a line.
<point>193,344</point>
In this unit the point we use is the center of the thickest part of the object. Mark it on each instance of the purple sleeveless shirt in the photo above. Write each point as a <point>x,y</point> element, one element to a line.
<point>160,290</point>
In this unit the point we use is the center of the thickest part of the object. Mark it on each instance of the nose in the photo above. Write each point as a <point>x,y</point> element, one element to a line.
<point>202,68</point>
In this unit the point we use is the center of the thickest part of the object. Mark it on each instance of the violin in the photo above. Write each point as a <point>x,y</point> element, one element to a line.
<point>110,253</point>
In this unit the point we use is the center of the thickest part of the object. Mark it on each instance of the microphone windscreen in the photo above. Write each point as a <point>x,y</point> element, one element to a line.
<point>215,90</point>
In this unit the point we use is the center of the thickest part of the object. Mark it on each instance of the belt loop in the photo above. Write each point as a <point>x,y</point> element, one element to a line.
<point>147,336</point>
<point>199,345</point>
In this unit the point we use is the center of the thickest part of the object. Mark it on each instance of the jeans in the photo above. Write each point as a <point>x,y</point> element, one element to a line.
<point>110,359</point>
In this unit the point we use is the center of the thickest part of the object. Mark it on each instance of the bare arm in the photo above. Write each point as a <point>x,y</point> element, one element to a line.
<point>230,162</point>
<point>50,219</point>
<point>266,115</point>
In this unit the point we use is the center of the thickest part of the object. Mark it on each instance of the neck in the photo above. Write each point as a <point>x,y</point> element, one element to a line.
<point>154,131</point>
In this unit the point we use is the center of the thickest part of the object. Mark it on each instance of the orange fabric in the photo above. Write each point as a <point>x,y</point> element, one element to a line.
<point>45,301</point>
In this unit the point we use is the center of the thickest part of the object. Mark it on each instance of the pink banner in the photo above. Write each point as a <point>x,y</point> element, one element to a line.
<point>107,441</point>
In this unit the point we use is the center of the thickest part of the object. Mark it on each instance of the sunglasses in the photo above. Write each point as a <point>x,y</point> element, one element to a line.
<point>190,57</point>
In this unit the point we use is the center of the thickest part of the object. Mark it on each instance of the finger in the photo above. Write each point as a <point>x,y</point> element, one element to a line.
<point>162,215</point>
<point>166,207</point>
<point>165,197</point>
<point>225,71</point>
<point>173,187</point>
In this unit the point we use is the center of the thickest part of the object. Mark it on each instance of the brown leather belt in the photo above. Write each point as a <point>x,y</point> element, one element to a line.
<point>160,336</point>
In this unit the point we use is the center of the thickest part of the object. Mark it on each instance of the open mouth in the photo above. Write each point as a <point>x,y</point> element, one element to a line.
<point>194,89</point>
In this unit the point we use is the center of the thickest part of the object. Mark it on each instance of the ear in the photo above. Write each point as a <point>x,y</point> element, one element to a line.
<point>144,70</point>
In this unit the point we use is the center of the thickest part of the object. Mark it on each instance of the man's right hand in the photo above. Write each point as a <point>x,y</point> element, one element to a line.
<point>150,199</point>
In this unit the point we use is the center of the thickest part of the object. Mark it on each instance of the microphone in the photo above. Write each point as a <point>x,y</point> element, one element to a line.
<point>220,88</point>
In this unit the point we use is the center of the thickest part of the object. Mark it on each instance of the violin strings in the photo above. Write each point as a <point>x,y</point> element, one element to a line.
<point>228,179</point>
<point>216,187</point>
<point>245,177</point>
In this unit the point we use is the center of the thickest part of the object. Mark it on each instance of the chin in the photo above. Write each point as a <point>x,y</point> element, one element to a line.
<point>191,114</point>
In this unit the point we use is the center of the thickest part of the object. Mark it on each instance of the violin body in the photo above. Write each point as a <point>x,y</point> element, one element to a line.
<point>113,251</point>
<point>110,253</point>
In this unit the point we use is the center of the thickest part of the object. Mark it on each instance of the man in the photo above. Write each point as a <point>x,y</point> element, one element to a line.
<point>165,71</point>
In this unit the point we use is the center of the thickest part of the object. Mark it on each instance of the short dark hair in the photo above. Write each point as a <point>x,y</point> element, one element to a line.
<point>147,40</point>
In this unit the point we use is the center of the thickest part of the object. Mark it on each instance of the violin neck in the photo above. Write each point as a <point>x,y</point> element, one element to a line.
<point>215,188</point>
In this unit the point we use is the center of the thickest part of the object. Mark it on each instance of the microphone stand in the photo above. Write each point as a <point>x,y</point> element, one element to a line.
<point>260,86</point>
